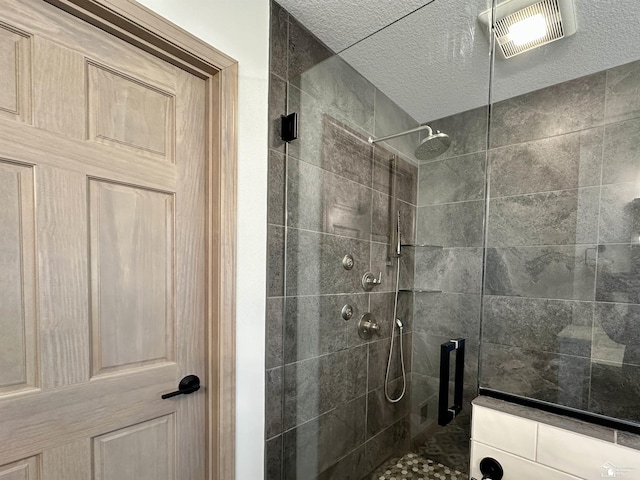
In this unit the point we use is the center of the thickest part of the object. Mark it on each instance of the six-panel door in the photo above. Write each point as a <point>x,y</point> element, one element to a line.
<point>102,296</point>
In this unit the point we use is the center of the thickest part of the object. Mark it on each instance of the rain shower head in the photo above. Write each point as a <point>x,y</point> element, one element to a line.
<point>433,145</point>
<point>430,147</point>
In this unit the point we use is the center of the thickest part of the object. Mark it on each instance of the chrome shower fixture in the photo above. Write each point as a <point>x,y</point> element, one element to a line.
<point>430,147</point>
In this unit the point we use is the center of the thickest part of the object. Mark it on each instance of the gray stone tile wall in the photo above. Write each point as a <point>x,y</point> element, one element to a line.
<point>562,256</point>
<point>279,42</point>
<point>314,263</point>
<point>615,390</point>
<point>451,224</point>
<point>563,108</point>
<point>555,163</point>
<point>619,213</point>
<point>454,179</point>
<point>303,50</point>
<point>618,273</point>
<point>275,260</point>
<point>623,93</point>
<point>315,446</point>
<point>543,272</point>
<point>314,327</point>
<point>566,217</point>
<point>449,315</point>
<point>467,131</point>
<point>277,104</point>
<point>273,458</point>
<point>321,201</point>
<point>318,385</point>
<point>275,326</point>
<point>382,218</point>
<point>551,377</point>
<point>562,271</point>
<point>539,324</point>
<point>378,356</point>
<point>619,322</point>
<point>345,152</point>
<point>276,190</point>
<point>389,119</point>
<point>621,149</point>
<point>406,174</point>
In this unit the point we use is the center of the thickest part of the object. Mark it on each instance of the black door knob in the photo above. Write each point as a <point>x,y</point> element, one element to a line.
<point>189,384</point>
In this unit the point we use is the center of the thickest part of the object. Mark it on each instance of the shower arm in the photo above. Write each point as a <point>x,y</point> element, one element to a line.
<point>413,130</point>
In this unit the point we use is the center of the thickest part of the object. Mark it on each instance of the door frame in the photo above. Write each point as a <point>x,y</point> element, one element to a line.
<point>149,31</point>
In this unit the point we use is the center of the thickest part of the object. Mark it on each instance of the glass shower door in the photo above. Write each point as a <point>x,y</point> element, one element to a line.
<point>561,305</point>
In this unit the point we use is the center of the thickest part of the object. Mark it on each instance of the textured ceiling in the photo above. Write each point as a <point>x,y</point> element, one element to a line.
<point>435,62</point>
<point>341,23</point>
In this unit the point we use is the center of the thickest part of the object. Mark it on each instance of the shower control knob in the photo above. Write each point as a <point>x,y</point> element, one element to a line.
<point>369,281</point>
<point>367,326</point>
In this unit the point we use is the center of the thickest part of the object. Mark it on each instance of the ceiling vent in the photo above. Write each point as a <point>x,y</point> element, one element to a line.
<point>520,26</point>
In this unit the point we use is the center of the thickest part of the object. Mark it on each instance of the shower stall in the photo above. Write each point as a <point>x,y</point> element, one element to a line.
<point>493,205</point>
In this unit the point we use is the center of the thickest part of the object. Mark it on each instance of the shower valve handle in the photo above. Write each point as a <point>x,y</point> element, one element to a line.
<point>367,326</point>
<point>374,327</point>
<point>369,280</point>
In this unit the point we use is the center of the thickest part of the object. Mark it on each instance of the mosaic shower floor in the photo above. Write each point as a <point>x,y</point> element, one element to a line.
<point>415,467</point>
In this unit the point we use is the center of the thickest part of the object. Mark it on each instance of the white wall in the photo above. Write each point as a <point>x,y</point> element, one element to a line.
<point>240,28</point>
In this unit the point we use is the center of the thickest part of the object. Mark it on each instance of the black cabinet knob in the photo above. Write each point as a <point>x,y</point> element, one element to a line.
<point>189,384</point>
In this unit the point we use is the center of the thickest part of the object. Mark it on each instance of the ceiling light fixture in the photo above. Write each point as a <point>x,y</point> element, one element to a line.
<point>528,30</point>
<point>520,25</point>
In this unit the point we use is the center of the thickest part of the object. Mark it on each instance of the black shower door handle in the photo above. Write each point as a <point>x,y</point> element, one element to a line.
<point>447,413</point>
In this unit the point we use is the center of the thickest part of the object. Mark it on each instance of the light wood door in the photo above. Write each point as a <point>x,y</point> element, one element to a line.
<point>102,254</point>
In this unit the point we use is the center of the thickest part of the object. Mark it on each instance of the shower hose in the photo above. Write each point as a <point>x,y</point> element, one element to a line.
<point>398,323</point>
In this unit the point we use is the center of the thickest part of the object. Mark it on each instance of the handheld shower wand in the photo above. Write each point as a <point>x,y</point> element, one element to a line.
<point>398,242</point>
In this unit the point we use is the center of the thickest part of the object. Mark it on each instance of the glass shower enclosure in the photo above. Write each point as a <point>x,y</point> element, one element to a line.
<point>521,238</point>
<point>562,285</point>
